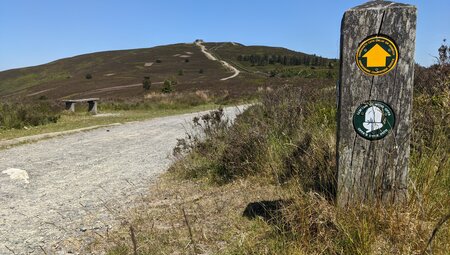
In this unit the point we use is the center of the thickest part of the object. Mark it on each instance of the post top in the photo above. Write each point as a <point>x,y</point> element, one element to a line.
<point>380,5</point>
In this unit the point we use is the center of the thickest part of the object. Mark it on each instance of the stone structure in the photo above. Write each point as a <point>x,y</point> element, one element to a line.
<point>70,104</point>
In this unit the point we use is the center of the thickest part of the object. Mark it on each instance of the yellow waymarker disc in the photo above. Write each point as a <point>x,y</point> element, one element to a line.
<point>377,55</point>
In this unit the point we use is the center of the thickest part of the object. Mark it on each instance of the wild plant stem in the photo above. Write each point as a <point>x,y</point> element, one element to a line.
<point>133,240</point>
<point>435,230</point>
<point>190,231</point>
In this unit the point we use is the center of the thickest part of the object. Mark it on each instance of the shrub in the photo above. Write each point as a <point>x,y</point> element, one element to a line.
<point>146,83</point>
<point>168,87</point>
<point>88,76</point>
<point>158,61</point>
<point>201,71</point>
<point>180,72</point>
<point>22,115</point>
<point>271,136</point>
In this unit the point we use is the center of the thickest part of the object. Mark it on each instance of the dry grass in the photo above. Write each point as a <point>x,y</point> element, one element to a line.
<point>194,218</point>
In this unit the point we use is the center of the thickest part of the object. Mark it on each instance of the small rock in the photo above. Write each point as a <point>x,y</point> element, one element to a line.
<point>17,174</point>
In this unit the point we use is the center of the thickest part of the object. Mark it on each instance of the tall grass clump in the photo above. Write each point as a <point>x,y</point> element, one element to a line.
<point>20,115</point>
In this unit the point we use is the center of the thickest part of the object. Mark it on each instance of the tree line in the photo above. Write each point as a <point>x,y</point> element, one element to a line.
<point>287,60</point>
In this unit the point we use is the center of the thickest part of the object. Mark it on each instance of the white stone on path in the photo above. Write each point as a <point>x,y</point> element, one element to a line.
<point>17,174</point>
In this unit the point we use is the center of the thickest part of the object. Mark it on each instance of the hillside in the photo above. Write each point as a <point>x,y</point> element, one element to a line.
<point>118,74</point>
<point>265,59</point>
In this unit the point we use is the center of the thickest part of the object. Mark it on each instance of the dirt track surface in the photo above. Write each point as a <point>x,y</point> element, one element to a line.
<point>224,63</point>
<point>80,182</point>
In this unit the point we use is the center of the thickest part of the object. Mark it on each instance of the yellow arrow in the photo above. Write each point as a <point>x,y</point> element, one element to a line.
<point>376,57</point>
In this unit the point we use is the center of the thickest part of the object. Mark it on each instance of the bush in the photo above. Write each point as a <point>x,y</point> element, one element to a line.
<point>168,87</point>
<point>88,76</point>
<point>146,83</point>
<point>180,72</point>
<point>271,136</point>
<point>24,115</point>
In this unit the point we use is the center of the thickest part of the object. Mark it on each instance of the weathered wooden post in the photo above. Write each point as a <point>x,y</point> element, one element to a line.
<point>375,102</point>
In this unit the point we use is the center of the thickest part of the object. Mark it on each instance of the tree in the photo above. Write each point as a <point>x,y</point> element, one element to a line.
<point>146,83</point>
<point>444,52</point>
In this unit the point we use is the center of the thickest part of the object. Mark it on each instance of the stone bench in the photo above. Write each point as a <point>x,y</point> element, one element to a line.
<point>70,104</point>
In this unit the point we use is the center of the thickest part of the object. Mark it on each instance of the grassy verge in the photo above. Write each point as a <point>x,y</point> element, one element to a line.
<point>70,121</point>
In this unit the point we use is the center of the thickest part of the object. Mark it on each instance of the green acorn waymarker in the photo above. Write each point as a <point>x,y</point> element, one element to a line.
<point>373,120</point>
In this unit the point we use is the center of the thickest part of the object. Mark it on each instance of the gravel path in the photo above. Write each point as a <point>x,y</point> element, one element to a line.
<point>65,186</point>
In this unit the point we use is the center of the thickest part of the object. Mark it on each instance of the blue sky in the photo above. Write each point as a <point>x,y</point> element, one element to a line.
<point>37,32</point>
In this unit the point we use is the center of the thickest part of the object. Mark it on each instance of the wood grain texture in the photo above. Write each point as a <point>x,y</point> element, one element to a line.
<point>370,171</point>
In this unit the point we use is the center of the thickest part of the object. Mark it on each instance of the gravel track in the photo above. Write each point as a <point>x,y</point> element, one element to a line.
<point>81,182</point>
<point>224,63</point>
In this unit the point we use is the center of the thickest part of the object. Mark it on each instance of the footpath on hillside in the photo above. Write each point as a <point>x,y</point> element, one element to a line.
<point>224,63</point>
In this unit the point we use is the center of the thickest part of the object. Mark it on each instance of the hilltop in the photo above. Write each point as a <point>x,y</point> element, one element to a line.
<point>119,74</point>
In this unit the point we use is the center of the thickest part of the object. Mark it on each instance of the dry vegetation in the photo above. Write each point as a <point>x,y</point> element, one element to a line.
<point>21,115</point>
<point>194,218</point>
<point>281,154</point>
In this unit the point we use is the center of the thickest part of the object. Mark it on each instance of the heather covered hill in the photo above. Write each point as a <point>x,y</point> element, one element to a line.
<point>119,74</point>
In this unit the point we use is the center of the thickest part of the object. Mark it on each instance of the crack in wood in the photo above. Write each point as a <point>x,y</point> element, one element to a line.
<point>381,23</point>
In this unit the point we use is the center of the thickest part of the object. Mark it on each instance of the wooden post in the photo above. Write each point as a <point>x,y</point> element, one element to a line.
<point>375,102</point>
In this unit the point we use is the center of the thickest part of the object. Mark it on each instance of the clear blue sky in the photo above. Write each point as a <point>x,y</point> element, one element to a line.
<point>36,32</point>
